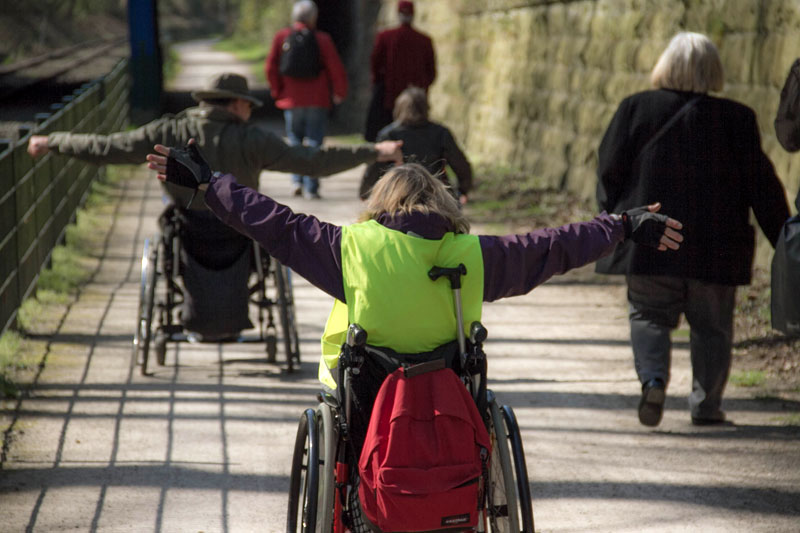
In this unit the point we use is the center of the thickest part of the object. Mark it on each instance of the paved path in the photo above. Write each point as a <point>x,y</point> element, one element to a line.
<point>205,443</point>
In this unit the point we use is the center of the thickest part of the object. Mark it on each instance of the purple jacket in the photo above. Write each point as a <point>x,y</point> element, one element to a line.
<point>512,264</point>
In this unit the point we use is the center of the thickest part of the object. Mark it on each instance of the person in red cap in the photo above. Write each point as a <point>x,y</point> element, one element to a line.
<point>401,57</point>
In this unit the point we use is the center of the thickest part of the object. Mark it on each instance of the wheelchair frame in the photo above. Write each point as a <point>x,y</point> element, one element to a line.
<point>323,455</point>
<point>161,293</point>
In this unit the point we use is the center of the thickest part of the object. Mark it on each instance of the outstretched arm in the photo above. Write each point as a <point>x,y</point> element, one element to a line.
<point>307,245</point>
<point>515,264</point>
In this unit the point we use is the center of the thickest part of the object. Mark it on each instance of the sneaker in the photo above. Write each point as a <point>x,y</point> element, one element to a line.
<point>312,196</point>
<point>298,191</point>
<point>651,406</point>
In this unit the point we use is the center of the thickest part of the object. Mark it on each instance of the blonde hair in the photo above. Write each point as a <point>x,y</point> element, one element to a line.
<point>408,188</point>
<point>689,63</point>
<point>411,107</point>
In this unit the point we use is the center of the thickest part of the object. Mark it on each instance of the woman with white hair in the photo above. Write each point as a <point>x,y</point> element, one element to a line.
<point>701,156</point>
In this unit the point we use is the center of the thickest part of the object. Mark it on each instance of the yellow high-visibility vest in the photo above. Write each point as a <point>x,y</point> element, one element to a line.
<point>390,295</point>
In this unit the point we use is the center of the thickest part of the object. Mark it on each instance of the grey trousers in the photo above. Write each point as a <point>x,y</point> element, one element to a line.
<point>655,307</point>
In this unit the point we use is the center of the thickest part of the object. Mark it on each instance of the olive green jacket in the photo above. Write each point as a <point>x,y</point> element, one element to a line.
<point>230,146</point>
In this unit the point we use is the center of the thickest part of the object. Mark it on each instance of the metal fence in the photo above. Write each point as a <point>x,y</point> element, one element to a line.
<point>39,198</point>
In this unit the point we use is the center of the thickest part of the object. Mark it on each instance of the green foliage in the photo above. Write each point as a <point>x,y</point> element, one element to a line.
<point>70,268</point>
<point>717,29</point>
<point>66,274</point>
<point>792,419</point>
<point>10,360</point>
<point>349,140</point>
<point>172,65</point>
<point>258,20</point>
<point>748,378</point>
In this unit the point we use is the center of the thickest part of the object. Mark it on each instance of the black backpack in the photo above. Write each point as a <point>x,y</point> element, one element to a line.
<point>300,55</point>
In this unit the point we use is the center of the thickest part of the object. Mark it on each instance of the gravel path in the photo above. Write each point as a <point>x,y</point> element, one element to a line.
<point>205,443</point>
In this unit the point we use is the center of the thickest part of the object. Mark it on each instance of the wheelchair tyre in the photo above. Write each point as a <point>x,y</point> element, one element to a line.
<point>287,316</point>
<point>144,333</point>
<point>520,470</point>
<point>137,331</point>
<point>312,482</point>
<point>502,502</point>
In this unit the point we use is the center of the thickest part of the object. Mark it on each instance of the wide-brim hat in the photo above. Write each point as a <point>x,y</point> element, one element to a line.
<point>406,7</point>
<point>227,85</point>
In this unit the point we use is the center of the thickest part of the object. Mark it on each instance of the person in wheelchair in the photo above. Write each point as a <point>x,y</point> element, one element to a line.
<point>377,269</point>
<point>227,139</point>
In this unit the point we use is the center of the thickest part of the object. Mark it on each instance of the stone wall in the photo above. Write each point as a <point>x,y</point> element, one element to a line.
<point>532,84</point>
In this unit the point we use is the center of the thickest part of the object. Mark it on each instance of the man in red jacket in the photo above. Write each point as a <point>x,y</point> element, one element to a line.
<point>305,98</point>
<point>401,57</point>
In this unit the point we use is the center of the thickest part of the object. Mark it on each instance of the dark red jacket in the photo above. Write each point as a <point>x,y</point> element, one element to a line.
<point>401,57</point>
<point>289,92</point>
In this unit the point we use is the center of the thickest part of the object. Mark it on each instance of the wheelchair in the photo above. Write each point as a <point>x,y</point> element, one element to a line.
<point>189,269</point>
<point>324,472</point>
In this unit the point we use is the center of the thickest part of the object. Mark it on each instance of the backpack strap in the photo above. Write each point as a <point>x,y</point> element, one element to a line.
<point>423,368</point>
<point>667,125</point>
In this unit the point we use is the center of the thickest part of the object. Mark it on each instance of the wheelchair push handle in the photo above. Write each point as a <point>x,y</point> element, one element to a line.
<point>453,274</point>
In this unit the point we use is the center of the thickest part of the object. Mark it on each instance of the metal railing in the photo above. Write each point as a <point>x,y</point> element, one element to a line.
<point>39,198</point>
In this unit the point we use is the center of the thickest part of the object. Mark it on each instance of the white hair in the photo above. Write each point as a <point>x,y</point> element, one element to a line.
<point>689,63</point>
<point>305,11</point>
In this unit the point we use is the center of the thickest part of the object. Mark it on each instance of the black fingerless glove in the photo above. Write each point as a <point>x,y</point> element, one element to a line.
<point>644,227</point>
<point>187,167</point>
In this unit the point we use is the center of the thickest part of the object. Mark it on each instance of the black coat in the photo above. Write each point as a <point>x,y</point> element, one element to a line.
<point>708,171</point>
<point>429,144</point>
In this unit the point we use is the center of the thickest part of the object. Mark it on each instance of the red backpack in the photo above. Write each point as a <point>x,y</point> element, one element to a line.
<point>425,456</point>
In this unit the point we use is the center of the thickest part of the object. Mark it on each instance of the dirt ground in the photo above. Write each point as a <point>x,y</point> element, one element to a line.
<point>204,444</point>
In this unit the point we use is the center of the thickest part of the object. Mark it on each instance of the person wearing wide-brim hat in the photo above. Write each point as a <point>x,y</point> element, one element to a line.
<point>226,86</point>
<point>221,126</point>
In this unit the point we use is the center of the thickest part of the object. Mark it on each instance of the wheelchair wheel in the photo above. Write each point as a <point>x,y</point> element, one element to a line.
<point>311,485</point>
<point>286,313</point>
<point>520,469</point>
<point>502,502</point>
<point>327,488</point>
<point>144,323</point>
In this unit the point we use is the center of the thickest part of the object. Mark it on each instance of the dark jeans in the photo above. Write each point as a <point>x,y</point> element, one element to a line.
<point>656,303</point>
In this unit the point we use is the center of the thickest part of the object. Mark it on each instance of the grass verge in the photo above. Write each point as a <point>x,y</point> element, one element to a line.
<point>57,286</point>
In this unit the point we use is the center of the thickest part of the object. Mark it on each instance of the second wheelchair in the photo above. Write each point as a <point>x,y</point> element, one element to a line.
<point>198,282</point>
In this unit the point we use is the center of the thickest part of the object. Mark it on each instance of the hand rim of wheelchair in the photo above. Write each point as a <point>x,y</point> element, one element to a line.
<point>320,490</point>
